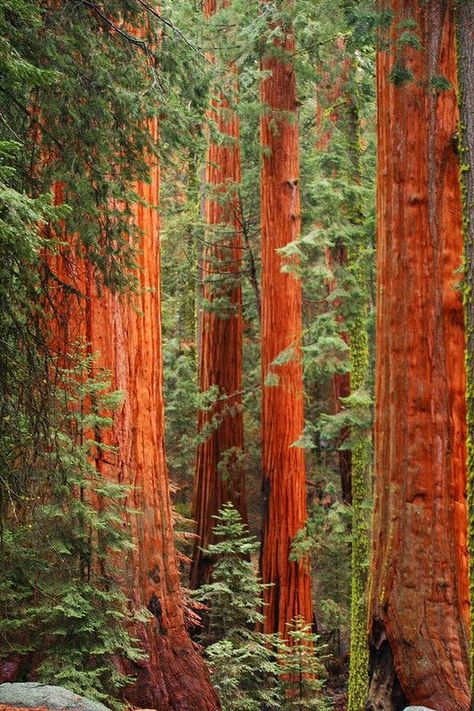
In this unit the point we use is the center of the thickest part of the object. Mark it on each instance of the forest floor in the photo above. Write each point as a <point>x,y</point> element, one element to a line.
<point>336,684</point>
<point>338,699</point>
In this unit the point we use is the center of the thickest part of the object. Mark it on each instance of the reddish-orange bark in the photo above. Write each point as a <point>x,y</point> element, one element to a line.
<point>284,488</point>
<point>126,334</point>
<point>419,592</point>
<point>219,475</point>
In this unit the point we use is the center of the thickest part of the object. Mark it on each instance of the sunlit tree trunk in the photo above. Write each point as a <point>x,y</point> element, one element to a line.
<point>125,333</point>
<point>419,598</point>
<point>219,472</point>
<point>465,31</point>
<point>284,488</point>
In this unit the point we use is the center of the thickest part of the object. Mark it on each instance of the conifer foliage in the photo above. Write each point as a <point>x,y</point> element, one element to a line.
<point>226,222</point>
<point>64,615</point>
<point>242,662</point>
<point>253,670</point>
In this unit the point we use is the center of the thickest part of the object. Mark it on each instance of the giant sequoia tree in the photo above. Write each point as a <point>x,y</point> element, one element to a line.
<point>284,483</point>
<point>419,593</point>
<point>90,590</point>
<point>173,676</point>
<point>219,475</point>
<point>125,332</point>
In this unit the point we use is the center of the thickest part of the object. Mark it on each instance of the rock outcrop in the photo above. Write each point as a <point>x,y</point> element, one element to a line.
<point>32,695</point>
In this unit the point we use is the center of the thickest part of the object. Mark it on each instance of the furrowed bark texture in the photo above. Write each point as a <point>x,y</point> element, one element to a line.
<point>465,31</point>
<point>126,334</point>
<point>419,592</point>
<point>219,474</point>
<point>282,404</point>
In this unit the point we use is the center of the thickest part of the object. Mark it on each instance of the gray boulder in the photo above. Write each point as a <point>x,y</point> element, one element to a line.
<point>417,708</point>
<point>31,695</point>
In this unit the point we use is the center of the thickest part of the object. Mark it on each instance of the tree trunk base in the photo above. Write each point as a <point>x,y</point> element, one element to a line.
<point>385,692</point>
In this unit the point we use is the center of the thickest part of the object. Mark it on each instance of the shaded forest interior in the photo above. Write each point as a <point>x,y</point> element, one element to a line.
<point>237,353</point>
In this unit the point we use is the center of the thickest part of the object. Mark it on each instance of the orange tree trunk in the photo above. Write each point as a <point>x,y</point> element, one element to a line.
<point>419,594</point>
<point>219,475</point>
<point>125,333</point>
<point>284,488</point>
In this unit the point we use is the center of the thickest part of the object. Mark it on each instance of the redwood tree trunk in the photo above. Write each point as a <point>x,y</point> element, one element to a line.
<point>419,591</point>
<point>219,474</point>
<point>125,332</point>
<point>284,488</point>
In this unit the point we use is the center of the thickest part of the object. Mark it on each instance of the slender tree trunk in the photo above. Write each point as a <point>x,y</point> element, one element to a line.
<point>125,332</point>
<point>354,464</point>
<point>219,473</point>
<point>419,598</point>
<point>465,30</point>
<point>284,488</point>
<point>361,448</point>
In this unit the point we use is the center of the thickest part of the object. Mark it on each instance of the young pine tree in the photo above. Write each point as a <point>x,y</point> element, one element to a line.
<point>63,615</point>
<point>253,670</point>
<point>243,662</point>
<point>301,669</point>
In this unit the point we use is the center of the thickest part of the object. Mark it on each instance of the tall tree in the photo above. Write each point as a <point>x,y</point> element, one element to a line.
<point>219,473</point>
<point>127,335</point>
<point>419,593</point>
<point>349,257</point>
<point>83,123</point>
<point>465,36</point>
<point>123,332</point>
<point>284,482</point>
<point>361,445</point>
